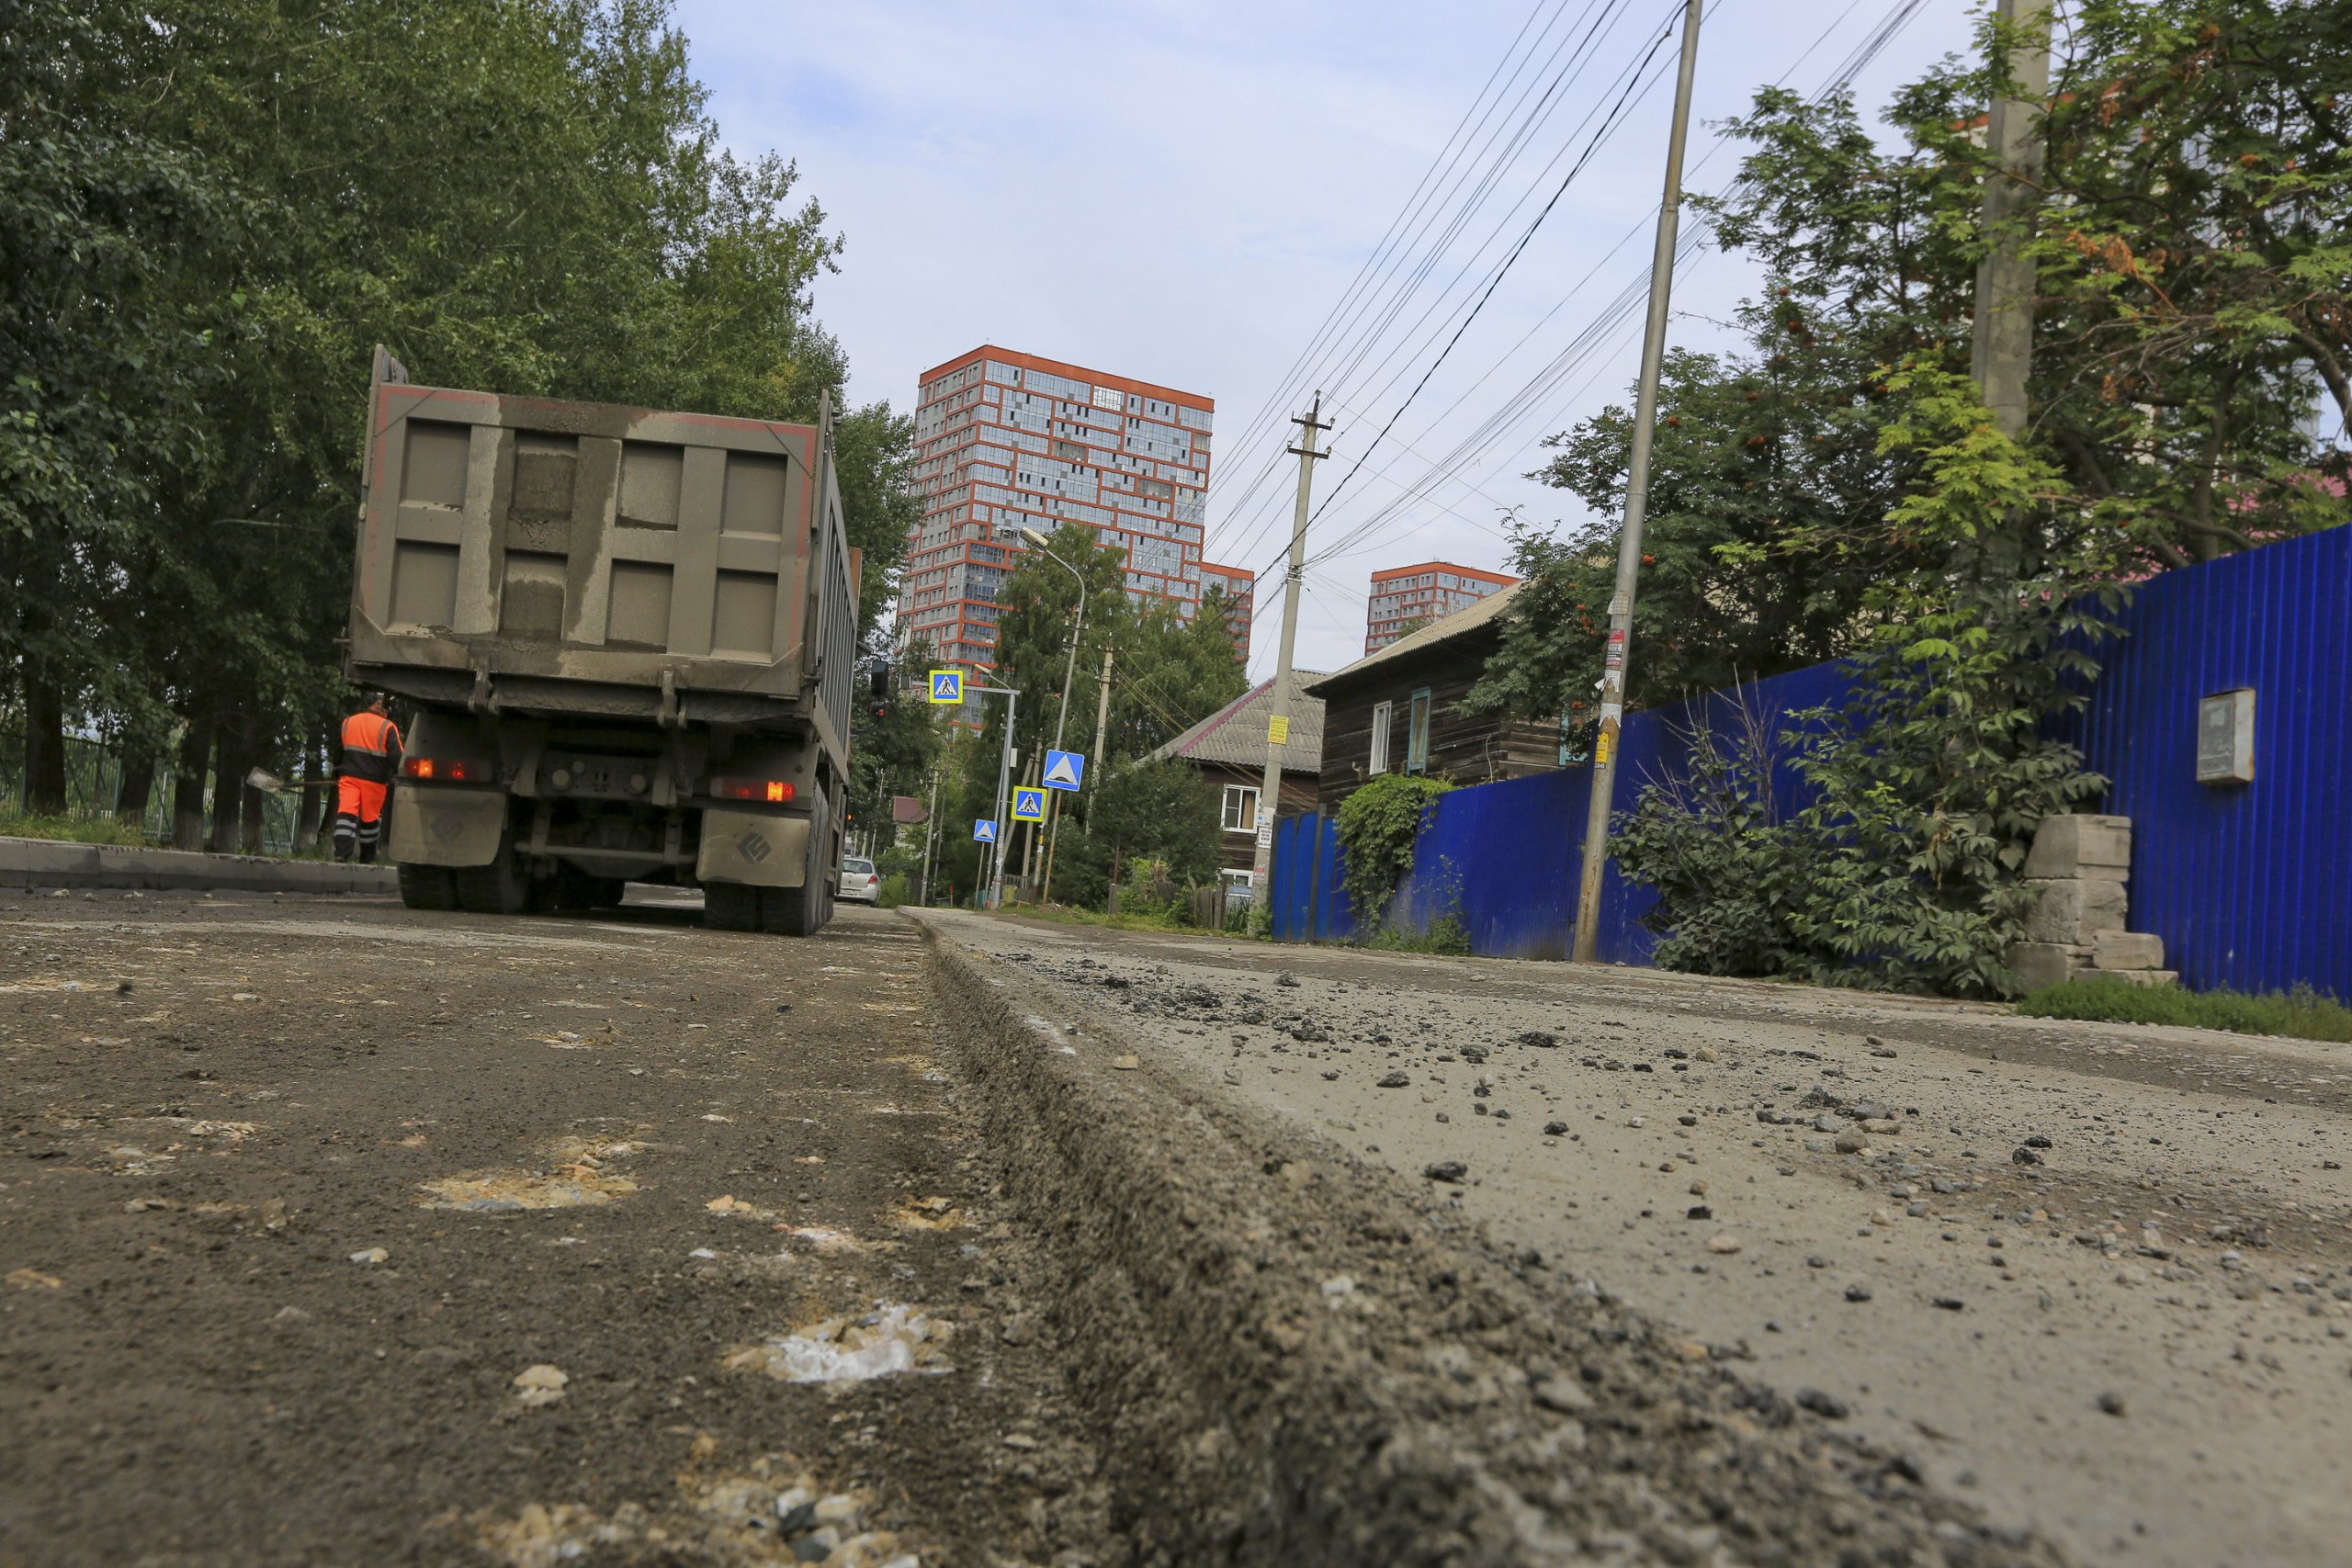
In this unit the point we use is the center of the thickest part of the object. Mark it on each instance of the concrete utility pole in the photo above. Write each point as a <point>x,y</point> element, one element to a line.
<point>1629,540</point>
<point>930,837</point>
<point>1270,794</point>
<point>992,855</point>
<point>1101,739</point>
<point>2001,347</point>
<point>1101,723</point>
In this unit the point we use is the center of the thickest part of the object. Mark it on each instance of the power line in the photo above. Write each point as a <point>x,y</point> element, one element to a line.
<point>1601,330</point>
<point>1352,356</point>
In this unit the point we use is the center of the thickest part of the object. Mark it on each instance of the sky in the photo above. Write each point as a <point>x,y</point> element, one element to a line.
<point>1186,194</point>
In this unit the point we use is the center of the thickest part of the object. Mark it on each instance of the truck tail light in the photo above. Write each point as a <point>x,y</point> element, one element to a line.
<point>776,791</point>
<point>447,770</point>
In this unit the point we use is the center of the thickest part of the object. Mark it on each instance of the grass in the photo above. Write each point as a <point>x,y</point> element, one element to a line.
<point>69,829</point>
<point>2301,1013</point>
<point>1158,922</point>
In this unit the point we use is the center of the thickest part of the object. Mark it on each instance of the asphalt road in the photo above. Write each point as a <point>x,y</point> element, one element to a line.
<point>336,1234</point>
<point>2095,1279</point>
<point>332,1233</point>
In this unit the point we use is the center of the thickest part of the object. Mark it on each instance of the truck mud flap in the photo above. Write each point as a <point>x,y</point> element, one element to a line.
<point>752,848</point>
<point>445,827</point>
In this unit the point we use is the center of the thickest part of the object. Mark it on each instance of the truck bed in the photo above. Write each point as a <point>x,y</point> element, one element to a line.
<point>524,555</point>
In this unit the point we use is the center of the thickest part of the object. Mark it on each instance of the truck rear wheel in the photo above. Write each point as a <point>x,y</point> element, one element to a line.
<point>792,911</point>
<point>731,907</point>
<point>427,887</point>
<point>502,888</point>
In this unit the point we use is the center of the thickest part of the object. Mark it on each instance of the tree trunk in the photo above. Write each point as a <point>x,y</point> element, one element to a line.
<point>44,744</point>
<point>138,788</point>
<point>188,786</point>
<point>236,821</point>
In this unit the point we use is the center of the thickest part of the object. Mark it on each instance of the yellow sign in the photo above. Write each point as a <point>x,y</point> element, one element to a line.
<point>1604,747</point>
<point>947,685</point>
<point>1278,731</point>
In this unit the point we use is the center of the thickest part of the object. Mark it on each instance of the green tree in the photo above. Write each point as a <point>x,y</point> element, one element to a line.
<point>101,363</point>
<point>1164,813</point>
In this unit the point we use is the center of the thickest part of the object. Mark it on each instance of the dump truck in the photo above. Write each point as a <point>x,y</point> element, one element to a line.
<point>627,637</point>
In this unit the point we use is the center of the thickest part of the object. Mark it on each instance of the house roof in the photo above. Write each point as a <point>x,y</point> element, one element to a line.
<point>1236,733</point>
<point>1462,623</point>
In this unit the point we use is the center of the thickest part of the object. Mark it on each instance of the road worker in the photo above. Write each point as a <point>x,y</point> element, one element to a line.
<point>371,755</point>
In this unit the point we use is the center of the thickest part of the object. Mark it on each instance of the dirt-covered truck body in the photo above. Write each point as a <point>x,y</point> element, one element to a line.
<point>628,637</point>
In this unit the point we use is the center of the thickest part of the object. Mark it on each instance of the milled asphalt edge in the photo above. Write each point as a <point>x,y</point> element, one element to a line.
<point>46,862</point>
<point>1247,1408</point>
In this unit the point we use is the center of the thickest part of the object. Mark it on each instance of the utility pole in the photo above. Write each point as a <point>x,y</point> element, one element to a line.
<point>992,855</point>
<point>1629,540</point>
<point>1101,739</point>
<point>2001,344</point>
<point>1101,723</point>
<point>1270,793</point>
<point>930,836</point>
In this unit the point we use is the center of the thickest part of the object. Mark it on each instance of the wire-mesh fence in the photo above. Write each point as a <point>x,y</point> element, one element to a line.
<point>94,794</point>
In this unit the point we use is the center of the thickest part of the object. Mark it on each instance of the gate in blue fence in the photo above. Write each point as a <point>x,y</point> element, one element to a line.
<point>2249,884</point>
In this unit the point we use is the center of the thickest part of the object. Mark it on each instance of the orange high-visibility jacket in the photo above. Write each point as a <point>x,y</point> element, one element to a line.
<point>371,746</point>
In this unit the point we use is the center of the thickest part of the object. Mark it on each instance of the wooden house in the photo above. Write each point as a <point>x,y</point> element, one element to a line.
<point>1400,710</point>
<point>1230,749</point>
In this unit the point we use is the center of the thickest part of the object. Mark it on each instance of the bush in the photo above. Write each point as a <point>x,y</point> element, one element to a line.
<point>894,890</point>
<point>1377,826</point>
<point>2302,1013</point>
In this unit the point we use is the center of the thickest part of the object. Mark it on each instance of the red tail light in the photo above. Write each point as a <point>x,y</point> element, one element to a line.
<point>447,770</point>
<point>776,791</point>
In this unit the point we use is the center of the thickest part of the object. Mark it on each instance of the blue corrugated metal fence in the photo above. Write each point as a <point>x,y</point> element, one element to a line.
<point>2249,884</point>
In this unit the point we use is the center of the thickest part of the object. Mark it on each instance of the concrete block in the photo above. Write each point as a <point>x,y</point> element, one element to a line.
<point>2128,949</point>
<point>2149,976</point>
<point>2073,909</point>
<point>2039,964</point>
<point>2080,844</point>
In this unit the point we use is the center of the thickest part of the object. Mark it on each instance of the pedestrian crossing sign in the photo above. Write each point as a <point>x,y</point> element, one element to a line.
<point>1064,770</point>
<point>1028,805</point>
<point>983,832</point>
<point>947,685</point>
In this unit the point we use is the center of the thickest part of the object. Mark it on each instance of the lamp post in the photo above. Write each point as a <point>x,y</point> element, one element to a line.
<point>1037,541</point>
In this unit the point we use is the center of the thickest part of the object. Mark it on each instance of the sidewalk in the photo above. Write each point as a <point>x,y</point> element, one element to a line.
<point>46,862</point>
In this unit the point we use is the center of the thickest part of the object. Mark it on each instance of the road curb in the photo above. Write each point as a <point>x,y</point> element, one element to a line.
<point>46,862</point>
<point>1292,1358</point>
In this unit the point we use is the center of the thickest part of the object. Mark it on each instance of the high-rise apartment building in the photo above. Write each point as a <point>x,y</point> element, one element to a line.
<point>1404,597</point>
<point>1240,586</point>
<point>1005,441</point>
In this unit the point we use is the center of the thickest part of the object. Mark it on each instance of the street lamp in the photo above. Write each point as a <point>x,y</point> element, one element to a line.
<point>1037,541</point>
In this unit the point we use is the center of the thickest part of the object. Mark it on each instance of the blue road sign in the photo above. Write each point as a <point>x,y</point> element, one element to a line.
<point>947,685</point>
<point>1065,770</point>
<point>1028,805</point>
<point>984,832</point>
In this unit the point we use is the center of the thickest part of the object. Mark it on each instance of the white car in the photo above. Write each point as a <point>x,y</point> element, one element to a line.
<point>859,885</point>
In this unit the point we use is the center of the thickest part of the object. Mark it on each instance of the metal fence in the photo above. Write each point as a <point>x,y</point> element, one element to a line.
<point>2249,884</point>
<point>94,776</point>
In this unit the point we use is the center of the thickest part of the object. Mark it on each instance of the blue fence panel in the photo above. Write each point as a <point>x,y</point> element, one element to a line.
<point>2250,884</point>
<point>1335,919</point>
<point>1496,857</point>
<point>1285,883</point>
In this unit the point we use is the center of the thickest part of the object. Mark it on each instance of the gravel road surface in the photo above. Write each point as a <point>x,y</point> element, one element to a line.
<point>2095,1279</point>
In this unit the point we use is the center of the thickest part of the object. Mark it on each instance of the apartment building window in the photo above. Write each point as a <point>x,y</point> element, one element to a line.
<point>1416,739</point>
<point>1384,719</point>
<point>1241,808</point>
